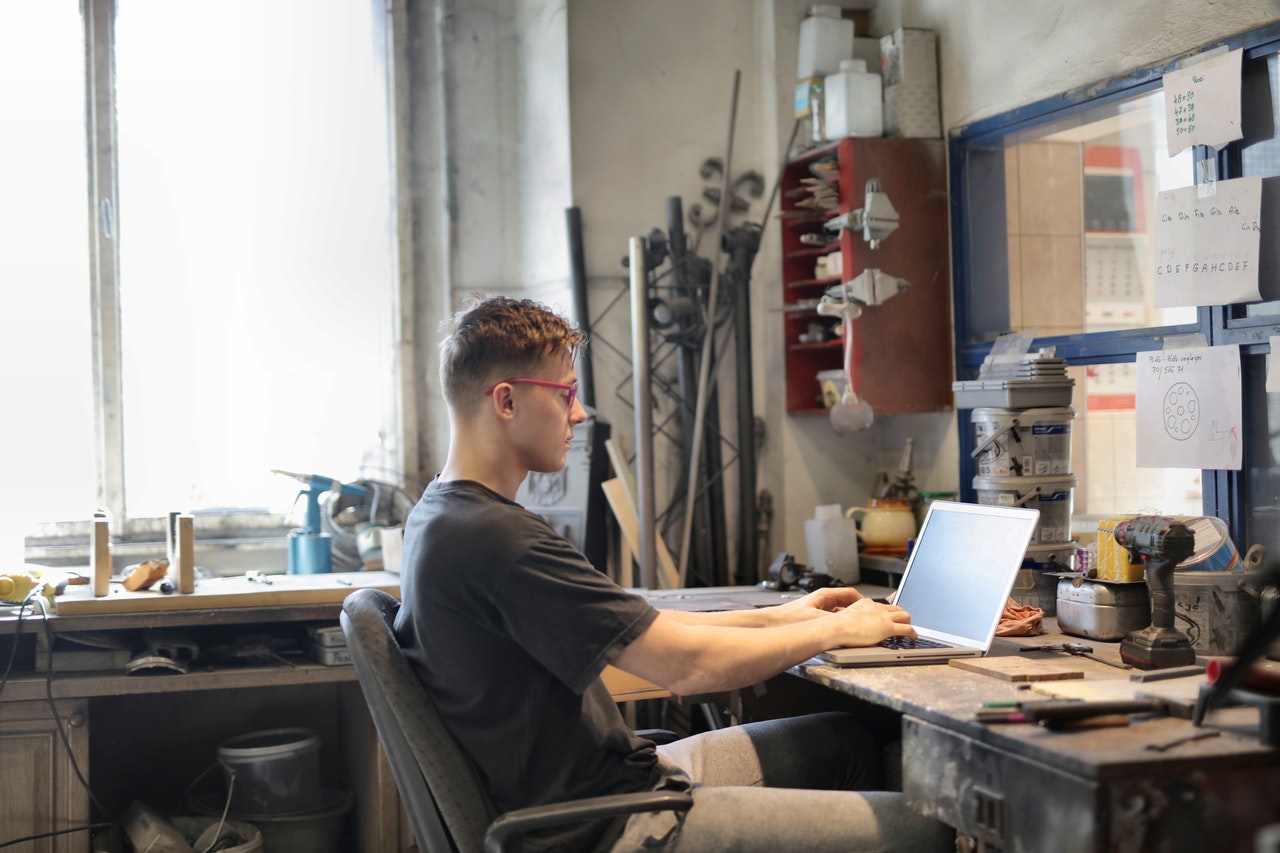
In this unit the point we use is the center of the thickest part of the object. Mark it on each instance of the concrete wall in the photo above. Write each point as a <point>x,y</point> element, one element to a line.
<point>648,99</point>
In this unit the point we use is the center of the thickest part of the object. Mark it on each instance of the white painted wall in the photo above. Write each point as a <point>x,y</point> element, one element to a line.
<point>647,99</point>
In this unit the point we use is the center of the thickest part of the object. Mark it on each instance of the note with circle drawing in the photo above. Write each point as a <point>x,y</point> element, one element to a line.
<point>1202,102</point>
<point>1207,240</point>
<point>1188,408</point>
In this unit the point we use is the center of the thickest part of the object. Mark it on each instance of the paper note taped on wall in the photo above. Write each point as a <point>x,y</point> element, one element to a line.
<point>1207,244</point>
<point>1188,407</point>
<point>1202,103</point>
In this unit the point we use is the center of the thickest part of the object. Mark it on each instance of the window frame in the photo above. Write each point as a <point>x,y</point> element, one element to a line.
<point>247,530</point>
<point>1224,491</point>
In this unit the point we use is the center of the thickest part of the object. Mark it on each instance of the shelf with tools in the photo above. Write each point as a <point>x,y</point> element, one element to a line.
<point>901,348</point>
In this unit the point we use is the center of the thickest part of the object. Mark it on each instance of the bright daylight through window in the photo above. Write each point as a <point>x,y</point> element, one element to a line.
<point>254,228</point>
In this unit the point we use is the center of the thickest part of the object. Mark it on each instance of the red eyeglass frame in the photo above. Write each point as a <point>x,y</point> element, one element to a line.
<point>572,389</point>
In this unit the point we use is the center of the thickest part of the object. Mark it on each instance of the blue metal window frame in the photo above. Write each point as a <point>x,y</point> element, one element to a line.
<point>1224,491</point>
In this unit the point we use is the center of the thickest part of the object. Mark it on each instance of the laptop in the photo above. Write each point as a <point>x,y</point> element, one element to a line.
<point>956,584</point>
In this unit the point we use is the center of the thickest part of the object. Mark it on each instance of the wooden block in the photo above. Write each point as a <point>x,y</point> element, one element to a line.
<point>145,574</point>
<point>100,555</point>
<point>1019,669</point>
<point>185,545</point>
<point>615,491</point>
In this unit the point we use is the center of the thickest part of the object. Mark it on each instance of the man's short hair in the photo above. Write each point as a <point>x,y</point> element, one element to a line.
<point>494,338</point>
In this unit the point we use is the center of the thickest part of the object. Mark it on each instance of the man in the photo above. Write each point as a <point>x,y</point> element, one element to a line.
<point>509,627</point>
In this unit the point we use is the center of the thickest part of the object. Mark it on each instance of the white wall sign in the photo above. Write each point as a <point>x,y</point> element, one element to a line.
<point>1188,407</point>
<point>1202,103</point>
<point>1207,239</point>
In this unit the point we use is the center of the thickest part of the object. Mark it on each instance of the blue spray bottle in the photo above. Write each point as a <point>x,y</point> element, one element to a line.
<point>310,551</point>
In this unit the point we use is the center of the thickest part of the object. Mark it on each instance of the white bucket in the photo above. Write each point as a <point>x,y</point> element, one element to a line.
<point>1023,442</point>
<point>1051,495</point>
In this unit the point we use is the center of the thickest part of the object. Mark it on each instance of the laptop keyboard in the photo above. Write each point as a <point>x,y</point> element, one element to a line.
<point>908,643</point>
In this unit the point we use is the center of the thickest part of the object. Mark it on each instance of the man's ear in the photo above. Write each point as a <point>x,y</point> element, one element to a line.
<point>503,401</point>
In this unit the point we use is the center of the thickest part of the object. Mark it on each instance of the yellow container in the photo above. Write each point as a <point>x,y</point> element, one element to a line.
<point>1113,560</point>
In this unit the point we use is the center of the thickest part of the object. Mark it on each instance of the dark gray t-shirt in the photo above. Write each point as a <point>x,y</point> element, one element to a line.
<point>509,626</point>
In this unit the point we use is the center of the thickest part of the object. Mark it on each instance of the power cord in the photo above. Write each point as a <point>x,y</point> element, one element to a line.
<point>38,599</point>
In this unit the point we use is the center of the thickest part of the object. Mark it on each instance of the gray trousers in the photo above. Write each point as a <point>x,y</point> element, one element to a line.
<point>798,784</point>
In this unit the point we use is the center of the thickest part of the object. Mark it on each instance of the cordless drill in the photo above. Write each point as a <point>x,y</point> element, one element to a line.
<point>1162,543</point>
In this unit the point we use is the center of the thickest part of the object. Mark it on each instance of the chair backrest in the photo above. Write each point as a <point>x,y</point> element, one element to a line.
<point>447,806</point>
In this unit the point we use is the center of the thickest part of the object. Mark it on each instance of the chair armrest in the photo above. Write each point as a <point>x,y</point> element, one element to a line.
<point>509,828</point>
<point>658,736</point>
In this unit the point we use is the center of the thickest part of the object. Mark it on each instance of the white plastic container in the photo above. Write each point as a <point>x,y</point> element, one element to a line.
<point>1053,496</point>
<point>1023,442</point>
<point>825,39</point>
<point>852,104</point>
<point>831,542</point>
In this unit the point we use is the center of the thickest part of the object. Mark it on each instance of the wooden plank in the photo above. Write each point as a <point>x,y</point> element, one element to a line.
<point>625,512</point>
<point>1019,669</point>
<point>212,593</point>
<point>625,687</point>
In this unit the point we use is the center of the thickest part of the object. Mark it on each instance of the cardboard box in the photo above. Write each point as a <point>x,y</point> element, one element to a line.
<point>1113,560</point>
<point>909,67</point>
<point>913,112</point>
<point>909,57</point>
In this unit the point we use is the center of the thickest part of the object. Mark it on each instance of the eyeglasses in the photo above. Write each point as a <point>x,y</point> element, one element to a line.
<point>572,389</point>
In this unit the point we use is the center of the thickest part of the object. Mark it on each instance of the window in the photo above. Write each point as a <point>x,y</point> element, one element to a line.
<point>1054,234</point>
<point>227,305</point>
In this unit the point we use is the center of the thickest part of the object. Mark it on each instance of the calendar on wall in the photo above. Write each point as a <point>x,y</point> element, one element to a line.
<point>1115,281</point>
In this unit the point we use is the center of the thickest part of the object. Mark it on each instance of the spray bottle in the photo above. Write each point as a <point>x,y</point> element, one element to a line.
<point>310,551</point>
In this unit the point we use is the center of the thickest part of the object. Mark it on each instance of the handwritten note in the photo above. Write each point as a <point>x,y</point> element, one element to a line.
<point>1207,244</point>
<point>1188,407</point>
<point>1202,103</point>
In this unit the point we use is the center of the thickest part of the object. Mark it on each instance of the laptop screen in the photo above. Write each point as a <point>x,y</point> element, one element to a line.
<point>963,565</point>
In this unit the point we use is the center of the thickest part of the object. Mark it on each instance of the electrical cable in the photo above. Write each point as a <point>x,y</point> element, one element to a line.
<point>57,718</point>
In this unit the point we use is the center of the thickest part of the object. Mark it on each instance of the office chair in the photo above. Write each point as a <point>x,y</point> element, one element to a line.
<point>448,807</point>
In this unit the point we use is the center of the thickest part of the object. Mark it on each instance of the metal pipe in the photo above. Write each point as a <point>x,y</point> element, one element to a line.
<point>578,280</point>
<point>645,517</point>
<point>704,372</point>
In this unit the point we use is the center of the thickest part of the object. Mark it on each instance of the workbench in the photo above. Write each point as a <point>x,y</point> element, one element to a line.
<point>149,736</point>
<point>1023,788</point>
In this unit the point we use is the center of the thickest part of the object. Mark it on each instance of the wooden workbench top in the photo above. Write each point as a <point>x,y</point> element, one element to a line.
<point>229,592</point>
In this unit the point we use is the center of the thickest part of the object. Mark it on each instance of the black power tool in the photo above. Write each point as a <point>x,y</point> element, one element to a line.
<point>1162,543</point>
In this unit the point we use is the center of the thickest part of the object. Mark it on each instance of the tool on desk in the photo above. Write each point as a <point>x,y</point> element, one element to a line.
<point>1179,741</point>
<point>143,575</point>
<point>310,550</point>
<point>1056,714</point>
<point>1076,649</point>
<point>1162,543</point>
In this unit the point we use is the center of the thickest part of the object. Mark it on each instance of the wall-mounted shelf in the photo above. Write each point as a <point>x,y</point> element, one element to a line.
<point>902,348</point>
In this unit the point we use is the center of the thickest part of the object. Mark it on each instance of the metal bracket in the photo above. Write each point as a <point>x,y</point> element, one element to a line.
<point>876,219</point>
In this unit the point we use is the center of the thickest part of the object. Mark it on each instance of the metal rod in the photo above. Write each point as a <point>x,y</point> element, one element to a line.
<point>578,280</point>
<point>704,371</point>
<point>647,529</point>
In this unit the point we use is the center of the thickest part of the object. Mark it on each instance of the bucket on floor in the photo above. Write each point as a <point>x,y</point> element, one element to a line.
<point>203,833</point>
<point>1023,442</point>
<point>276,771</point>
<point>1036,588</point>
<point>1051,495</point>
<point>319,831</point>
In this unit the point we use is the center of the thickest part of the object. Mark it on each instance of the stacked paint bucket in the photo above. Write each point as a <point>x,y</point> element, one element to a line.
<point>1022,451</point>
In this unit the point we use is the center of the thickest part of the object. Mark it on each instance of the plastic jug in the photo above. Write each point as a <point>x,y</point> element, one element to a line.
<point>887,525</point>
<point>851,102</point>
<point>831,541</point>
<point>825,39</point>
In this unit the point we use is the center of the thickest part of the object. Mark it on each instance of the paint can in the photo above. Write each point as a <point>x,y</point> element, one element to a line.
<point>1051,495</point>
<point>1023,442</point>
